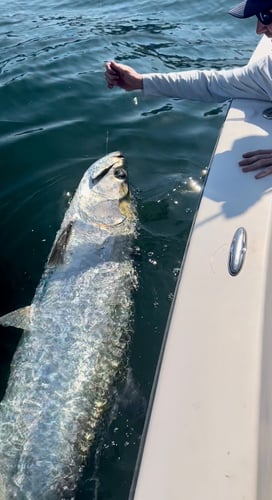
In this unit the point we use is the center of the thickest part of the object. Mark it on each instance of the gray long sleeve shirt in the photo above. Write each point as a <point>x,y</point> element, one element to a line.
<point>253,81</point>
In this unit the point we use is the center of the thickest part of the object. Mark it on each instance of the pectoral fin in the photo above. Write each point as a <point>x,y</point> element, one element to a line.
<point>56,256</point>
<point>19,318</point>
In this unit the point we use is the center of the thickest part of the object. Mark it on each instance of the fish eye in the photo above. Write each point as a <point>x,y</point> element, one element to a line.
<point>120,173</point>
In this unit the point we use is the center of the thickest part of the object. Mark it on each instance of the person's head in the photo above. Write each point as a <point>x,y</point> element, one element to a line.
<point>260,8</point>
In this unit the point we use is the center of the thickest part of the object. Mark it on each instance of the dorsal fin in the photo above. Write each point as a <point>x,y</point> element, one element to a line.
<point>56,256</point>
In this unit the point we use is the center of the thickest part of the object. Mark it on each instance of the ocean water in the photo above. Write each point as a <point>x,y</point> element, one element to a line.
<point>57,116</point>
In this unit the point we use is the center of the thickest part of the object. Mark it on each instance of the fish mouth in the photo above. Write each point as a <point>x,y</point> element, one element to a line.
<point>124,191</point>
<point>126,207</point>
<point>120,173</point>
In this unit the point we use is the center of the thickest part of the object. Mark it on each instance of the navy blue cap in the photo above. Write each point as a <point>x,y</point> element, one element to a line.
<point>250,8</point>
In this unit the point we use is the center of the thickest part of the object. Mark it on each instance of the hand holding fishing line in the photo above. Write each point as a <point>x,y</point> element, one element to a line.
<point>208,85</point>
<point>125,77</point>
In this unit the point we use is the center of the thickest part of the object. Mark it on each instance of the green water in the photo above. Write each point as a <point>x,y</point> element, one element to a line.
<point>57,116</point>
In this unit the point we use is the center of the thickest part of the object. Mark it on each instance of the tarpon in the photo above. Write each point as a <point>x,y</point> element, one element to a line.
<point>76,333</point>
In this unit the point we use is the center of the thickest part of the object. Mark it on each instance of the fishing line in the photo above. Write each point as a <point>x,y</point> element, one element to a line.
<point>107,141</point>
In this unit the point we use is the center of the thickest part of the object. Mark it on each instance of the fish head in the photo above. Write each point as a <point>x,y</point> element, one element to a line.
<point>105,191</point>
<point>108,177</point>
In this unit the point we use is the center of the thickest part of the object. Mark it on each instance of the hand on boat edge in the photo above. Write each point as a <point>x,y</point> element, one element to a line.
<point>256,160</point>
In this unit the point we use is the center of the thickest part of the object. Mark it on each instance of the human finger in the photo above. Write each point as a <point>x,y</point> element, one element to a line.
<point>264,173</point>
<point>249,166</point>
<point>111,75</point>
<point>258,152</point>
<point>110,69</point>
<point>116,66</point>
<point>259,160</point>
<point>256,160</point>
<point>112,81</point>
<point>120,68</point>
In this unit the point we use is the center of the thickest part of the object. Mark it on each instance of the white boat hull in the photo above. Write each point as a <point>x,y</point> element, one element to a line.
<point>208,433</point>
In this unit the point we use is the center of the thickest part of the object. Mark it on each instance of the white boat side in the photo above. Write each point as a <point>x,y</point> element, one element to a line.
<point>209,426</point>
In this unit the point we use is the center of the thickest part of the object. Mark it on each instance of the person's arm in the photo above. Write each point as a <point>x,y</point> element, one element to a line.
<point>253,81</point>
<point>248,82</point>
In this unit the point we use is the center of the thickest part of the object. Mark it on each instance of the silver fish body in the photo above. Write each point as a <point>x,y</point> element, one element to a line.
<point>77,330</point>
